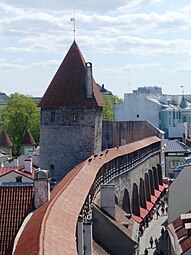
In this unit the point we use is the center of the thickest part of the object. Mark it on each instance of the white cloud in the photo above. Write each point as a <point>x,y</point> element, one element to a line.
<point>7,66</point>
<point>88,5</point>
<point>183,67</point>
<point>131,67</point>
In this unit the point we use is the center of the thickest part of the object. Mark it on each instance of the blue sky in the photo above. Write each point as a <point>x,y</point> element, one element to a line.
<point>130,43</point>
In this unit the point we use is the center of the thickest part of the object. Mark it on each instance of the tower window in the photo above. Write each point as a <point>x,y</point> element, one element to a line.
<point>51,167</point>
<point>75,117</point>
<point>52,116</point>
<point>137,115</point>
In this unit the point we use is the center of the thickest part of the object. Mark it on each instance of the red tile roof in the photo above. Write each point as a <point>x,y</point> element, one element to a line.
<point>4,140</point>
<point>67,88</point>
<point>157,193</point>
<point>149,205</point>
<point>28,139</point>
<point>161,188</point>
<point>137,218</point>
<point>153,199</point>
<point>52,228</point>
<point>16,202</point>
<point>143,212</point>
<point>18,170</point>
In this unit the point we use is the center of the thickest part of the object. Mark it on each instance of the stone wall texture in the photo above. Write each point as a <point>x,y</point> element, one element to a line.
<point>68,136</point>
<point>126,180</point>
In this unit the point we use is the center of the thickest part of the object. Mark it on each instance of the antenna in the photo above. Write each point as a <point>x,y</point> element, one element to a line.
<point>74,23</point>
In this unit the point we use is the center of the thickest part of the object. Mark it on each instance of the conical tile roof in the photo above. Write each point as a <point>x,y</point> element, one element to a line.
<point>4,140</point>
<point>67,88</point>
<point>28,139</point>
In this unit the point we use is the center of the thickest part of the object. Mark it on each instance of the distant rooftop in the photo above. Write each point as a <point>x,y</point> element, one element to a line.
<point>148,90</point>
<point>176,146</point>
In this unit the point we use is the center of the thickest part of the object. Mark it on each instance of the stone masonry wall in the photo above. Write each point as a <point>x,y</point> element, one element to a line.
<point>68,137</point>
<point>126,180</point>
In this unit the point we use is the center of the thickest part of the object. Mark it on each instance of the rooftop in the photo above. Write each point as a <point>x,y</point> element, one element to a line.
<point>176,146</point>
<point>67,88</point>
<point>28,139</point>
<point>18,170</point>
<point>16,202</point>
<point>4,140</point>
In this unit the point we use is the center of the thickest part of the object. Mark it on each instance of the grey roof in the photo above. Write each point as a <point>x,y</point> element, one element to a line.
<point>176,146</point>
<point>183,103</point>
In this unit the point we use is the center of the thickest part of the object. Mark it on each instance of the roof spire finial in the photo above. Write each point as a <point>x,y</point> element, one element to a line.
<point>182,90</point>
<point>74,22</point>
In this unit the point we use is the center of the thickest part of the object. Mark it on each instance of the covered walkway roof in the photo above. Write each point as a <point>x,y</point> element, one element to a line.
<point>52,228</point>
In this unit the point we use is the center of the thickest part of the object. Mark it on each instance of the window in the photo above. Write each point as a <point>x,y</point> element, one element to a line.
<point>169,113</point>
<point>137,115</point>
<point>52,116</point>
<point>159,115</point>
<point>184,119</point>
<point>51,167</point>
<point>169,121</point>
<point>75,117</point>
<point>173,164</point>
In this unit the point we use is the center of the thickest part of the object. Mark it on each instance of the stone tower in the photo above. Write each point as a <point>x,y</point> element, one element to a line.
<point>71,116</point>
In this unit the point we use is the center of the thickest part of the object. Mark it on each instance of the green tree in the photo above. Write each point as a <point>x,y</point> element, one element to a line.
<point>20,114</point>
<point>108,109</point>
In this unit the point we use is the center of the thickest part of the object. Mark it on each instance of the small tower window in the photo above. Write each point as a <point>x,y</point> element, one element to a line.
<point>75,117</point>
<point>137,115</point>
<point>52,116</point>
<point>51,167</point>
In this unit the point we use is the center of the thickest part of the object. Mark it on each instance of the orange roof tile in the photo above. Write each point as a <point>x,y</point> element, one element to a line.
<point>4,140</point>
<point>54,231</point>
<point>67,88</point>
<point>16,202</point>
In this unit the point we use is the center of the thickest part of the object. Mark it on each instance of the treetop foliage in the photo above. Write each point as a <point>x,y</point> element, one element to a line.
<point>20,114</point>
<point>108,109</point>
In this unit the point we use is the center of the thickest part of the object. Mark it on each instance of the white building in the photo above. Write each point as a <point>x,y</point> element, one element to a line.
<point>138,107</point>
<point>171,113</point>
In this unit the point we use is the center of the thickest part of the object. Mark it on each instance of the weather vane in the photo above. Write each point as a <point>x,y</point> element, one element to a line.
<point>74,22</point>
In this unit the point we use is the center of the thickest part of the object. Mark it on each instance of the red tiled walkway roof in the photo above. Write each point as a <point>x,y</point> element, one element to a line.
<point>67,88</point>
<point>52,228</point>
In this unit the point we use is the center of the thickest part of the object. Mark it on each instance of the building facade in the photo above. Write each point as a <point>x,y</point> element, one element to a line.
<point>170,113</point>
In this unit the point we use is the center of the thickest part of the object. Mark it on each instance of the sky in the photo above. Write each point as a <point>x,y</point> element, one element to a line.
<point>131,43</point>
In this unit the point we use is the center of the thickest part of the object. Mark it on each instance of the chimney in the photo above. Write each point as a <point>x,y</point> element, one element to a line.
<point>41,188</point>
<point>89,81</point>
<point>107,193</point>
<point>28,165</point>
<point>16,162</point>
